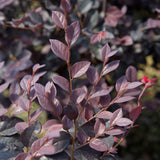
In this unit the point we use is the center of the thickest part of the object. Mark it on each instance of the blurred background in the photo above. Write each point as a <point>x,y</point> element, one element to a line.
<point>131,26</point>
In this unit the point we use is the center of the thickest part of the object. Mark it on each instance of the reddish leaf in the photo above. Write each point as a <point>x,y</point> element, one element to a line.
<point>111,67</point>
<point>98,145</point>
<point>105,115</point>
<point>79,94</point>
<point>116,115</point>
<point>116,12</point>
<point>131,74</point>
<point>134,114</point>
<point>79,68</point>
<point>21,126</point>
<point>114,132</point>
<point>99,126</point>
<point>124,99</point>
<point>61,82</point>
<point>59,49</point>
<point>58,18</point>
<point>97,37</point>
<point>92,75</point>
<point>123,122</point>
<point>73,33</point>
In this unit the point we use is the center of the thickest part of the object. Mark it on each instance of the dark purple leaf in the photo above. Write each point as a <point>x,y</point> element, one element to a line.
<point>1,64</point>
<point>59,49</point>
<point>92,75</point>
<point>2,110</point>
<point>35,114</point>
<point>61,82</point>
<point>40,89</point>
<point>4,86</point>
<point>98,145</point>
<point>105,115</point>
<point>114,132</point>
<point>99,126</point>
<point>116,115</point>
<point>21,126</point>
<point>82,137</point>
<point>87,112</point>
<point>58,18</point>
<point>66,5</point>
<point>37,76</point>
<point>67,123</point>
<point>124,99</point>
<point>28,135</point>
<point>134,114</point>
<point>79,94</point>
<point>41,147</point>
<point>32,93</point>
<point>101,92</point>
<point>105,100</point>
<point>111,67</point>
<point>71,111</point>
<point>49,123</point>
<point>79,68</point>
<point>133,85</point>
<point>50,91</point>
<point>131,74</point>
<point>123,122</point>
<point>54,131</point>
<point>121,83</point>
<point>106,52</point>
<point>57,107</point>
<point>73,32</point>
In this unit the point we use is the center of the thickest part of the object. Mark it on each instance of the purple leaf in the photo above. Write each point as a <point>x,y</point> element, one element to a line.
<point>123,122</point>
<point>49,123</point>
<point>133,85</point>
<point>79,94</point>
<point>124,99</point>
<point>105,115</point>
<point>54,131</point>
<point>57,107</point>
<point>66,5</point>
<point>21,126</point>
<point>4,86</point>
<point>73,33</point>
<point>22,156</point>
<point>79,68</point>
<point>114,132</point>
<point>36,67</point>
<point>67,123</point>
<point>35,114</point>
<point>101,92</point>
<point>126,41</point>
<point>24,103</point>
<point>82,138</point>
<point>105,100</point>
<point>121,83</point>
<point>59,19</point>
<point>4,3</point>
<point>59,49</point>
<point>99,126</point>
<point>131,74</point>
<point>42,146</point>
<point>87,112</point>
<point>61,82</point>
<point>132,92</point>
<point>40,89</point>
<point>37,76</point>
<point>98,145</point>
<point>134,114</point>
<point>106,53</point>
<point>1,64</point>
<point>2,110</point>
<point>50,91</point>
<point>92,75</point>
<point>24,83</point>
<point>111,67</point>
<point>116,115</point>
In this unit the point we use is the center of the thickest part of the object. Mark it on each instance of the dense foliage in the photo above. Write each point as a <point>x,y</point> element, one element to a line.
<point>73,106</point>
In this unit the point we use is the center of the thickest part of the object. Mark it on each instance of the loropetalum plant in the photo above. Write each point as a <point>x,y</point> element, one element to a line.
<point>88,121</point>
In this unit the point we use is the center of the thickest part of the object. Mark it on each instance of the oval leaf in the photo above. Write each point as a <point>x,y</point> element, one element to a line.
<point>124,99</point>
<point>79,68</point>
<point>92,75</point>
<point>131,74</point>
<point>105,115</point>
<point>58,18</point>
<point>99,126</point>
<point>123,122</point>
